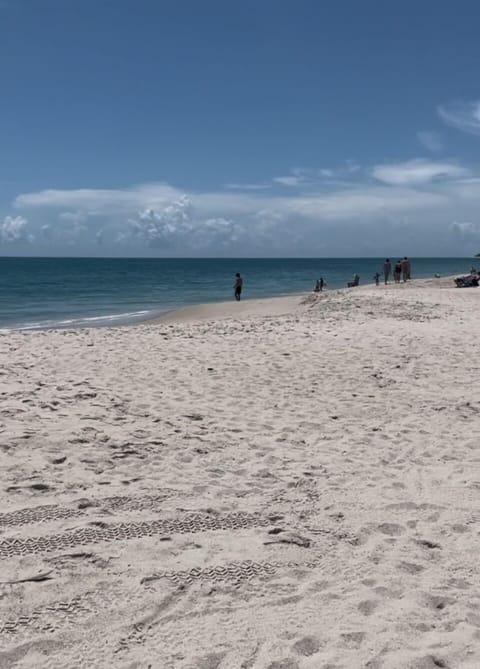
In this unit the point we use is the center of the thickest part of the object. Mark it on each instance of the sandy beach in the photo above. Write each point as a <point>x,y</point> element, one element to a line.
<point>276,484</point>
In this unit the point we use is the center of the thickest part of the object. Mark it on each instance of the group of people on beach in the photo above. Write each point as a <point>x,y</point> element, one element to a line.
<point>401,271</point>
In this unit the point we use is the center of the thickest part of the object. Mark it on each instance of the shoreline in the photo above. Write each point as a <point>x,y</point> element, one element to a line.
<point>280,305</point>
<point>268,306</point>
<point>159,303</point>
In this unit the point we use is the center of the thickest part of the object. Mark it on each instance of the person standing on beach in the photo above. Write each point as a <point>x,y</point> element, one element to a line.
<point>238,286</point>
<point>405,269</point>
<point>376,277</point>
<point>397,271</point>
<point>387,268</point>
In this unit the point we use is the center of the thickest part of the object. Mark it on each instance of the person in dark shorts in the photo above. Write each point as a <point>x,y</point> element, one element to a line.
<point>238,286</point>
<point>397,271</point>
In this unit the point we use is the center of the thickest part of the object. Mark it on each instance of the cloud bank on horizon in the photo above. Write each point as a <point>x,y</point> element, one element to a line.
<point>422,206</point>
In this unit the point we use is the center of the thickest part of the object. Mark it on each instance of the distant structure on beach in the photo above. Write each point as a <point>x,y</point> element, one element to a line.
<point>355,282</point>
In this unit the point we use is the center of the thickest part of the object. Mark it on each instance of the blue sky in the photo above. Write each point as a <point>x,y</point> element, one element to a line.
<point>220,128</point>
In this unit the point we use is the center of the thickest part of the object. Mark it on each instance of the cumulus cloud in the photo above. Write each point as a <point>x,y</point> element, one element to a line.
<point>431,140</point>
<point>15,229</point>
<point>72,226</point>
<point>163,226</point>
<point>177,225</point>
<point>462,115</point>
<point>417,172</point>
<point>73,216</point>
<point>416,200</point>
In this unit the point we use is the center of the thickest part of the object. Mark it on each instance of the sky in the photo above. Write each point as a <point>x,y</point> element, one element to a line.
<point>254,128</point>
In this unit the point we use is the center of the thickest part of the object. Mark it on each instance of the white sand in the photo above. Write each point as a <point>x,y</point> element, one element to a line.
<point>274,306</point>
<point>296,491</point>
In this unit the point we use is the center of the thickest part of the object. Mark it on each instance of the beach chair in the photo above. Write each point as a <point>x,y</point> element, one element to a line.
<point>355,282</point>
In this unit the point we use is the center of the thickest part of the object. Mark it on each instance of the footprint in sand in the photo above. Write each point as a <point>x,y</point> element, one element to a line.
<point>352,639</point>
<point>391,529</point>
<point>306,646</point>
<point>367,607</point>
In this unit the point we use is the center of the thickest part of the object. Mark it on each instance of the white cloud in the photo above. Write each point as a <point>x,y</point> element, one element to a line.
<point>219,231</point>
<point>431,140</point>
<point>247,186</point>
<point>99,201</point>
<point>46,231</point>
<point>309,177</point>
<point>72,227</point>
<point>15,229</point>
<point>73,216</point>
<point>177,226</point>
<point>183,211</point>
<point>462,115</point>
<point>415,200</point>
<point>289,181</point>
<point>417,172</point>
<point>164,225</point>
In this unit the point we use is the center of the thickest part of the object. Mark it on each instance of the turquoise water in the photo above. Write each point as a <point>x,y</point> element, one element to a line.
<point>76,292</point>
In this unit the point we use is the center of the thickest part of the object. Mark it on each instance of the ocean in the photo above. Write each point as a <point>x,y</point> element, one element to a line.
<point>38,293</point>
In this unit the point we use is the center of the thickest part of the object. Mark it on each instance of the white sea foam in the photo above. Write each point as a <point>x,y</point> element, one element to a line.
<point>92,321</point>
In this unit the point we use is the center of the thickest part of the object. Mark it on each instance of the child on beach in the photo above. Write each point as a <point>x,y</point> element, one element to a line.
<point>376,278</point>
